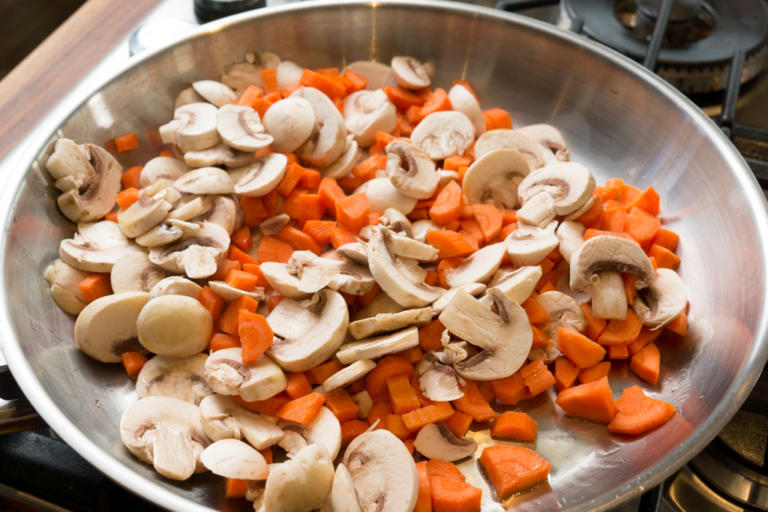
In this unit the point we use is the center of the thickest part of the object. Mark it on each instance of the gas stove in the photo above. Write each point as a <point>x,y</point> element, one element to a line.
<point>715,51</point>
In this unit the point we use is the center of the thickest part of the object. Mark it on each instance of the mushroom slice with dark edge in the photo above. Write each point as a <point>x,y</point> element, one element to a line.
<point>662,301</point>
<point>89,177</point>
<point>443,134</point>
<point>549,137</point>
<point>389,322</point>
<point>166,433</point>
<point>193,127</point>
<point>64,279</point>
<point>411,170</point>
<point>315,273</point>
<point>569,184</point>
<point>437,381</point>
<point>95,247</point>
<point>505,336</point>
<point>240,127</point>
<point>528,245</point>
<point>479,267</point>
<point>308,333</point>
<point>378,75</point>
<point>174,325</point>
<point>214,92</point>
<point>274,225</point>
<point>325,431</point>
<point>382,195</point>
<point>438,442</point>
<point>175,285</point>
<point>142,215</point>
<point>348,375</point>
<point>205,181</point>
<point>505,138</point>
<point>464,101</point>
<point>473,289</point>
<point>301,484</point>
<point>494,178</point>
<point>329,136</point>
<point>563,311</point>
<point>282,281</point>
<point>176,377</point>
<point>343,497</point>
<point>354,252</point>
<point>406,247</point>
<point>370,348</point>
<point>368,112</point>
<point>134,272</point>
<point>196,254</point>
<point>290,121</point>
<point>220,154</point>
<point>596,268</point>
<point>229,293</point>
<point>517,284</point>
<point>232,458</point>
<point>383,472</point>
<point>228,375</point>
<point>262,176</point>
<point>571,236</point>
<point>222,418</point>
<point>393,277</point>
<point>409,72</point>
<point>161,167</point>
<point>345,163</point>
<point>107,326</point>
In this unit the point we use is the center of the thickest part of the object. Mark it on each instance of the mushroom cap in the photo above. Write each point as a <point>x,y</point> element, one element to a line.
<point>410,170</point>
<point>290,121</point>
<point>161,167</point>
<point>329,136</point>
<point>214,92</point>
<point>301,484</point>
<point>528,245</point>
<point>206,180</point>
<point>505,138</point>
<point>663,300</point>
<point>517,284</point>
<point>308,334</point>
<point>225,212</point>
<point>366,112</point>
<point>232,458</point>
<point>107,326</point>
<point>383,472</point>
<point>549,137</point>
<point>175,285</point>
<point>325,431</point>
<point>473,289</point>
<point>494,178</point>
<point>607,253</point>
<point>220,154</point>
<point>165,432</point>
<point>64,279</point>
<point>389,322</point>
<point>227,374</point>
<point>95,246</point>
<point>345,163</point>
<point>378,74</point>
<point>174,325</point>
<point>196,254</point>
<point>409,72</point>
<point>196,126</point>
<point>569,183</point>
<point>142,215</point>
<point>240,127</point>
<point>262,176</point>
<point>479,267</point>
<point>406,247</point>
<point>315,273</point>
<point>190,207</point>
<point>466,102</point>
<point>162,234</point>
<point>436,441</point>
<point>437,380</point>
<point>222,418</point>
<point>176,377</point>
<point>383,195</point>
<point>134,272</point>
<point>354,252</point>
<point>68,160</point>
<point>187,96</point>
<point>281,280</point>
<point>370,348</point>
<point>343,497</point>
<point>348,375</point>
<point>443,134</point>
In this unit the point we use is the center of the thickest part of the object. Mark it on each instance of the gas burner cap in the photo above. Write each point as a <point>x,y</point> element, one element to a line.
<point>700,39</point>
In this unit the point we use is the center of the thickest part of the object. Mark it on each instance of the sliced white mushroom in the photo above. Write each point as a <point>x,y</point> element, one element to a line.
<point>301,484</point>
<point>193,127</point>
<point>464,101</point>
<point>243,74</point>
<point>571,236</point>
<point>95,247</point>
<point>378,75</point>
<point>190,207</point>
<point>376,347</point>
<point>563,311</point>
<point>364,403</point>
<point>382,195</point>
<point>176,377</point>
<point>389,322</point>
<point>290,121</point>
<point>517,284</point>
<point>479,267</point>
<point>329,136</point>
<point>549,137</point>
<point>142,215</point>
<point>422,227</point>
<point>174,325</point>
<point>444,177</point>
<point>409,72</point>
<point>175,285</point>
<point>229,293</point>
<point>228,375</point>
<point>473,289</point>
<point>214,92</point>
<point>570,185</point>
<point>187,96</point>
<point>443,134</point>
<point>89,177</point>
<point>196,254</point>
<point>437,381</point>
<point>368,112</point>
<point>596,268</point>
<point>494,178</point>
<point>406,247</point>
<point>206,180</point>
<point>221,154</point>
<point>161,167</point>
<point>539,210</point>
<point>307,334</point>
<point>64,279</point>
<point>505,138</point>
<point>106,327</point>
<point>315,273</point>
<point>225,212</point>
<point>662,301</point>
<point>281,280</point>
<point>355,252</point>
<point>397,222</point>
<point>383,472</point>
<point>582,210</point>
<point>343,497</point>
<point>345,163</point>
<point>166,433</point>
<point>505,335</point>
<point>528,245</point>
<point>348,375</point>
<point>324,431</point>
<point>393,276</point>
<point>274,225</point>
<point>436,441</point>
<point>134,272</point>
<point>222,418</point>
<point>381,303</point>
<point>262,176</point>
<point>232,458</point>
<point>240,127</point>
<point>411,170</point>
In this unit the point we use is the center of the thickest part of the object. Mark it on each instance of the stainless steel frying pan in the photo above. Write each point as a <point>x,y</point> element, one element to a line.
<point>619,119</point>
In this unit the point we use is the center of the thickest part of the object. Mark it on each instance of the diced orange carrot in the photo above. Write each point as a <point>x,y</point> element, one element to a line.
<point>255,335</point>
<point>513,468</point>
<point>578,348</point>
<point>402,98</point>
<point>221,340</point>
<point>387,367</point>
<point>226,266</point>
<point>133,362</point>
<point>111,216</point>
<point>639,413</point>
<point>590,233</point>
<point>298,385</point>
<point>436,101</point>
<point>331,87</point>
<point>621,331</point>
<point>272,249</point>
<point>321,372</point>
<point>496,118</point>
<point>489,218</point>
<point>459,423</point>
<point>435,413</point>
<point>664,257</point>
<point>647,363</point>
<point>242,238</point>
<point>235,487</point>
<point>341,405</point>
<point>402,396</point>
<point>679,325</point>
<point>645,337</point>
<point>127,197</point>
<point>450,243</point>
<point>237,254</point>
<point>513,425</point>
<point>394,423</point>
<point>473,403</point>
<point>297,239</point>
<point>341,236</point>
<point>211,301</point>
<point>242,280</point>
<point>429,335</point>
<point>537,315</point>
<point>537,377</point>
<point>330,192</point>
<point>667,239</point>
<point>302,410</point>
<point>269,78</point>
<point>592,217</point>
<point>447,205</point>
<point>566,373</point>
<point>319,230</point>
<point>270,406</point>
<point>647,201</point>
<point>618,351</point>
<point>510,390</point>
<point>95,286</point>
<point>595,325</point>
<point>251,94</point>
<point>452,496</point>
<point>293,174</point>
<point>230,318</point>
<point>254,211</point>
<point>131,178</point>
<point>424,499</point>
<point>352,212</point>
<point>642,226</point>
<point>595,372</point>
<point>126,142</point>
<point>351,429</point>
<point>357,81</point>
<point>592,401</point>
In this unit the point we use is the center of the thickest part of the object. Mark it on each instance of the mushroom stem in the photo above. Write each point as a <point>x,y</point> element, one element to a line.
<point>608,297</point>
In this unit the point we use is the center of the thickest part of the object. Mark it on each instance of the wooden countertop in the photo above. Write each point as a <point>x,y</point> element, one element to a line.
<point>37,84</point>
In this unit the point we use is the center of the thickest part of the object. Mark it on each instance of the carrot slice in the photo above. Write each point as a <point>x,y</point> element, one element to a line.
<point>621,331</point>
<point>402,396</point>
<point>459,423</point>
<point>581,350</point>
<point>127,197</point>
<point>298,385</point>
<point>302,410</point>
<point>437,412</point>
<point>450,243</point>
<point>321,372</point>
<point>269,78</point>
<point>211,301</point>
<point>436,101</point>
<point>429,335</point>
<point>618,351</point>
<point>667,239</point>
<point>509,390</point>
<point>592,401</point>
<point>537,315</point>
<point>133,362</point>
<point>489,218</point>
<point>341,405</point>
<point>328,85</point>
<point>647,363</point>
<point>639,413</point>
<point>270,406</point>
<point>298,239</point>
<point>394,423</point>
<point>402,98</point>
<point>642,226</point>
<point>647,201</point>
<point>251,94</point>
<point>242,280</point>
<point>447,205</point>
<point>293,174</point>
<point>126,142</point>
<point>537,377</point>
<point>131,178</point>
<point>235,487</point>
<point>95,286</point>
<point>595,372</point>
<point>595,325</point>
<point>566,373</point>
<point>255,335</point>
<point>254,211</point>
<point>679,325</point>
<point>664,257</point>
<point>330,192</point>
<point>513,468</point>
<point>452,496</point>
<point>272,249</point>
<point>424,500</point>
<point>230,318</point>
<point>351,429</point>
<point>341,236</point>
<point>352,212</point>
<point>497,118</point>
<point>389,366</point>
<point>513,425</point>
<point>590,233</point>
<point>473,403</point>
<point>221,340</point>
